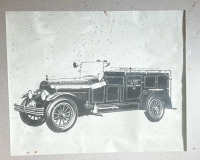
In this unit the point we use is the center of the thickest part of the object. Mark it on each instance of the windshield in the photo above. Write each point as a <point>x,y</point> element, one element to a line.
<point>91,69</point>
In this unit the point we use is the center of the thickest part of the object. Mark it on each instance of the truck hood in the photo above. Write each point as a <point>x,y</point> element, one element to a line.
<point>74,81</point>
<point>62,84</point>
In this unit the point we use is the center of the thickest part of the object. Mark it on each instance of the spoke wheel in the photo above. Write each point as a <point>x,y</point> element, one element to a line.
<point>61,115</point>
<point>30,119</point>
<point>155,108</point>
<point>35,118</point>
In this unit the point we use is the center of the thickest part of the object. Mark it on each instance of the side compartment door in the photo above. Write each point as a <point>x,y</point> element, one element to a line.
<point>133,87</point>
<point>114,89</point>
<point>164,83</point>
<point>98,95</point>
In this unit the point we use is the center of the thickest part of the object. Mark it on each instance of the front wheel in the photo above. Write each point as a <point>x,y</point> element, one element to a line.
<point>61,115</point>
<point>155,108</point>
<point>30,119</point>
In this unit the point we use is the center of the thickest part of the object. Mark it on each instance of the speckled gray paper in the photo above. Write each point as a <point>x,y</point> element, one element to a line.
<point>40,43</point>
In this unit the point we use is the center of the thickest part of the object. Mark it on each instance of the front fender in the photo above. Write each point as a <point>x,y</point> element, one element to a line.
<point>80,104</point>
<point>57,95</point>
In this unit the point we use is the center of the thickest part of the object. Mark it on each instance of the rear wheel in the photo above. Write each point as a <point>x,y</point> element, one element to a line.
<point>155,108</point>
<point>61,115</point>
<point>30,119</point>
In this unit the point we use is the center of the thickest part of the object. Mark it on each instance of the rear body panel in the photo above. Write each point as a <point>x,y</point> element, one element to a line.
<point>124,87</point>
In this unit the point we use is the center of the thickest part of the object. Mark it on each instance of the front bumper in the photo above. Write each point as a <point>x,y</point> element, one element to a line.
<point>29,110</point>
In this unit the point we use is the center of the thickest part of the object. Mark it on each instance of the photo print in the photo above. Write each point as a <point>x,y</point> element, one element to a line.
<point>94,81</point>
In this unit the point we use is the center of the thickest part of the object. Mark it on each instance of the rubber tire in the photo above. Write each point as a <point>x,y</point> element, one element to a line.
<point>49,111</point>
<point>147,113</point>
<point>25,118</point>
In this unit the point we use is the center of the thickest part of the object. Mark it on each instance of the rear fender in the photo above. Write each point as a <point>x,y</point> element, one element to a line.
<point>163,94</point>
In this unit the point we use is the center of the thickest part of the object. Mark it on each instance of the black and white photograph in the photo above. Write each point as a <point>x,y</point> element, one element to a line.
<point>94,81</point>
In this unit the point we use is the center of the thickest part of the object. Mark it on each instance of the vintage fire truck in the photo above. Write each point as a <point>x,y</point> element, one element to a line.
<point>59,102</point>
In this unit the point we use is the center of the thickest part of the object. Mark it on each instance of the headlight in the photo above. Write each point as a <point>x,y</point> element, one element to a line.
<point>44,94</point>
<point>30,94</point>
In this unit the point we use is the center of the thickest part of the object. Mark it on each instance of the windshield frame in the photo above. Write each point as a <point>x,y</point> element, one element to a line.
<point>102,63</point>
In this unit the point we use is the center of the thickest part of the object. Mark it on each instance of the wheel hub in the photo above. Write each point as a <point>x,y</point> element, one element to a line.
<point>63,115</point>
<point>157,110</point>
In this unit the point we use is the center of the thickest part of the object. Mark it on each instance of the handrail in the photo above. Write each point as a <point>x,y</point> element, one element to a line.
<point>126,69</point>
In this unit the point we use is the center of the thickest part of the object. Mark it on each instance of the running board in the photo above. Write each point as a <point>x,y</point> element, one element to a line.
<point>113,107</point>
<point>117,105</point>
